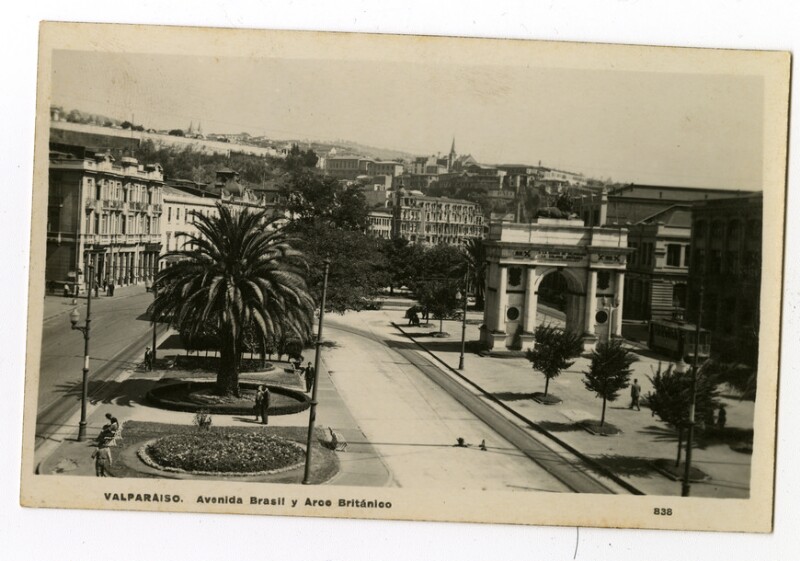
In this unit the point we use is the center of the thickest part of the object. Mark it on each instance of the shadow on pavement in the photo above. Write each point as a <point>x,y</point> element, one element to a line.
<point>123,394</point>
<point>554,426</point>
<point>627,465</point>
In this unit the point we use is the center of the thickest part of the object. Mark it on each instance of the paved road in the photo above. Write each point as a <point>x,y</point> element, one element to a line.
<point>119,333</point>
<point>412,413</point>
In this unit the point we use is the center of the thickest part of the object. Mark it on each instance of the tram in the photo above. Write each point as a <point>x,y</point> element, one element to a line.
<point>676,339</point>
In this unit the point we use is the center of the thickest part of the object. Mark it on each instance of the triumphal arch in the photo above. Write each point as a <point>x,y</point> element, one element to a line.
<point>520,256</point>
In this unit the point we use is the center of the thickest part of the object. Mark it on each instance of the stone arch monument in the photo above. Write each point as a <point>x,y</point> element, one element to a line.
<point>520,256</point>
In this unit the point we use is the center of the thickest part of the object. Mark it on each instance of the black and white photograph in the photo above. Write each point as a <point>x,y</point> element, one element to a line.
<point>398,277</point>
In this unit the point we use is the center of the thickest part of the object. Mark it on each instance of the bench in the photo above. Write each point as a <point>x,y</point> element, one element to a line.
<point>337,441</point>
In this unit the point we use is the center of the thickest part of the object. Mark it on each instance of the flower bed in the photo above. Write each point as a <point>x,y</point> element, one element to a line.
<point>223,452</point>
<point>193,396</point>
<point>548,399</point>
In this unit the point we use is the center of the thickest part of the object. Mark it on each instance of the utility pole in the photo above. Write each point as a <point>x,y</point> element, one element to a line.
<point>687,486</point>
<point>317,363</point>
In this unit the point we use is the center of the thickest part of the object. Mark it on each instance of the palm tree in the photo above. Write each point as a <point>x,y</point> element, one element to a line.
<point>239,272</point>
<point>475,254</point>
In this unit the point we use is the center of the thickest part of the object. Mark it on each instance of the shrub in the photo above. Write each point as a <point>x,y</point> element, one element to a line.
<point>202,419</point>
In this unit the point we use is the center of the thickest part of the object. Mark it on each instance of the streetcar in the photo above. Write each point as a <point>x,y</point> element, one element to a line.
<point>676,339</point>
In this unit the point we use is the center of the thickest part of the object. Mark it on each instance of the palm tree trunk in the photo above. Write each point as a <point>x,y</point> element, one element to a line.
<point>603,416</point>
<point>441,321</point>
<point>546,385</point>
<point>228,375</point>
<point>680,441</point>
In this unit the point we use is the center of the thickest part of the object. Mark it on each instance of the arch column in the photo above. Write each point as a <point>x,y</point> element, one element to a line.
<point>529,313</point>
<point>591,304</point>
<point>502,299</point>
<point>619,293</point>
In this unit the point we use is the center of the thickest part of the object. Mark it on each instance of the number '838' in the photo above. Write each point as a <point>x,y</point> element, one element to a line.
<point>662,511</point>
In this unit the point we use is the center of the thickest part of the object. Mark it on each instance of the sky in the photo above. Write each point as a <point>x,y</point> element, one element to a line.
<point>697,130</point>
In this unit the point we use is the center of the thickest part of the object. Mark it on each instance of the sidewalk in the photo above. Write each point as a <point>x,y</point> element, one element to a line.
<point>629,455</point>
<point>55,305</point>
<point>359,465</point>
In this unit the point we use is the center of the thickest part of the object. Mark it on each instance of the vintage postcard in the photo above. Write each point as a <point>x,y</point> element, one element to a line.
<point>405,277</point>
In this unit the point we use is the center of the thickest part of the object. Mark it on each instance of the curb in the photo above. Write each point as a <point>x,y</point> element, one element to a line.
<point>583,457</point>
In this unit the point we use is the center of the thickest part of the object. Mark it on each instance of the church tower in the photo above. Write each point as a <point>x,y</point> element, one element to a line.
<point>451,158</point>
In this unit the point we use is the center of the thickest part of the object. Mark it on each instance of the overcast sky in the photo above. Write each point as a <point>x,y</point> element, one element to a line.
<point>646,127</point>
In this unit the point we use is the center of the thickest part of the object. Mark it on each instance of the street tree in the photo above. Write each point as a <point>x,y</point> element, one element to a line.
<point>438,297</point>
<point>553,351</point>
<point>239,270</point>
<point>609,372</point>
<point>311,198</point>
<point>671,398</point>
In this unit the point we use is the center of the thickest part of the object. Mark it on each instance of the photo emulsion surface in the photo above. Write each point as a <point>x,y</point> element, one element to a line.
<point>405,277</point>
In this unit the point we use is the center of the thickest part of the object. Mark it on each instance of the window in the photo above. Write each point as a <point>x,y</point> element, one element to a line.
<point>178,214</point>
<point>686,256</point>
<point>169,214</point>
<point>679,296</point>
<point>673,255</point>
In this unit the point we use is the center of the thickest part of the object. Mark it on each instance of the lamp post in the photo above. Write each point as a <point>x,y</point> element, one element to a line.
<point>610,305</point>
<point>74,318</point>
<point>686,486</point>
<point>463,321</point>
<point>317,362</point>
<point>151,285</point>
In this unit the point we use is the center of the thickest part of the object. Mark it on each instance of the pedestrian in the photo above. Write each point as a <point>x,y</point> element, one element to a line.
<point>109,430</point>
<point>722,417</point>
<point>265,406</point>
<point>66,291</point>
<point>636,391</point>
<point>96,289</point>
<point>310,374</point>
<point>102,460</point>
<point>111,288</point>
<point>148,359</point>
<point>259,399</point>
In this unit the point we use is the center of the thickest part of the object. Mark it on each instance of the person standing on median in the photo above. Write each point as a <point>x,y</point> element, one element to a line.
<point>636,391</point>
<point>310,374</point>
<point>265,406</point>
<point>102,460</point>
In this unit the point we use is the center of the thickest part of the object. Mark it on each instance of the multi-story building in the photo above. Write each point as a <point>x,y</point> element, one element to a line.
<point>179,218</point>
<point>633,203</point>
<point>658,267</point>
<point>380,223</point>
<point>435,220</point>
<point>101,213</point>
<point>726,262</point>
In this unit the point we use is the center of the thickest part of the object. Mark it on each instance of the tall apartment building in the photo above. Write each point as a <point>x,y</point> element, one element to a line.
<point>102,213</point>
<point>435,220</point>
<point>726,260</point>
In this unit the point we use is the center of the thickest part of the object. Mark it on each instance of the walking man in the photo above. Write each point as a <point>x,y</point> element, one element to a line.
<point>310,376</point>
<point>259,399</point>
<point>102,460</point>
<point>636,391</point>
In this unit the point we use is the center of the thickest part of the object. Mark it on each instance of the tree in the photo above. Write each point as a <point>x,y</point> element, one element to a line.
<point>552,351</point>
<point>310,198</point>
<point>357,270</point>
<point>176,132</point>
<point>671,398</point>
<point>475,254</point>
<point>439,298</point>
<point>609,372</point>
<point>240,270</point>
<point>296,159</point>
<point>400,257</point>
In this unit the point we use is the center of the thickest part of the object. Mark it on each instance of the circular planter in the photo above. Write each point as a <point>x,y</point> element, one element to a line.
<point>195,396</point>
<point>144,453</point>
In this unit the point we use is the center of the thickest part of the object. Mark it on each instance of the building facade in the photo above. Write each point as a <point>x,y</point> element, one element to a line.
<point>380,223</point>
<point>104,214</point>
<point>435,220</point>
<point>658,267</point>
<point>726,262</point>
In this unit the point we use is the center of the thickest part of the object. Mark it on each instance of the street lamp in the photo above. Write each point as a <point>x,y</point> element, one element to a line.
<point>74,318</point>
<point>610,305</point>
<point>317,363</point>
<point>151,285</point>
<point>686,485</point>
<point>463,320</point>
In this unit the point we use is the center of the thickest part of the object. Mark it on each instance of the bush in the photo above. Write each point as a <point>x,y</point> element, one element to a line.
<point>202,419</point>
<point>225,452</point>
